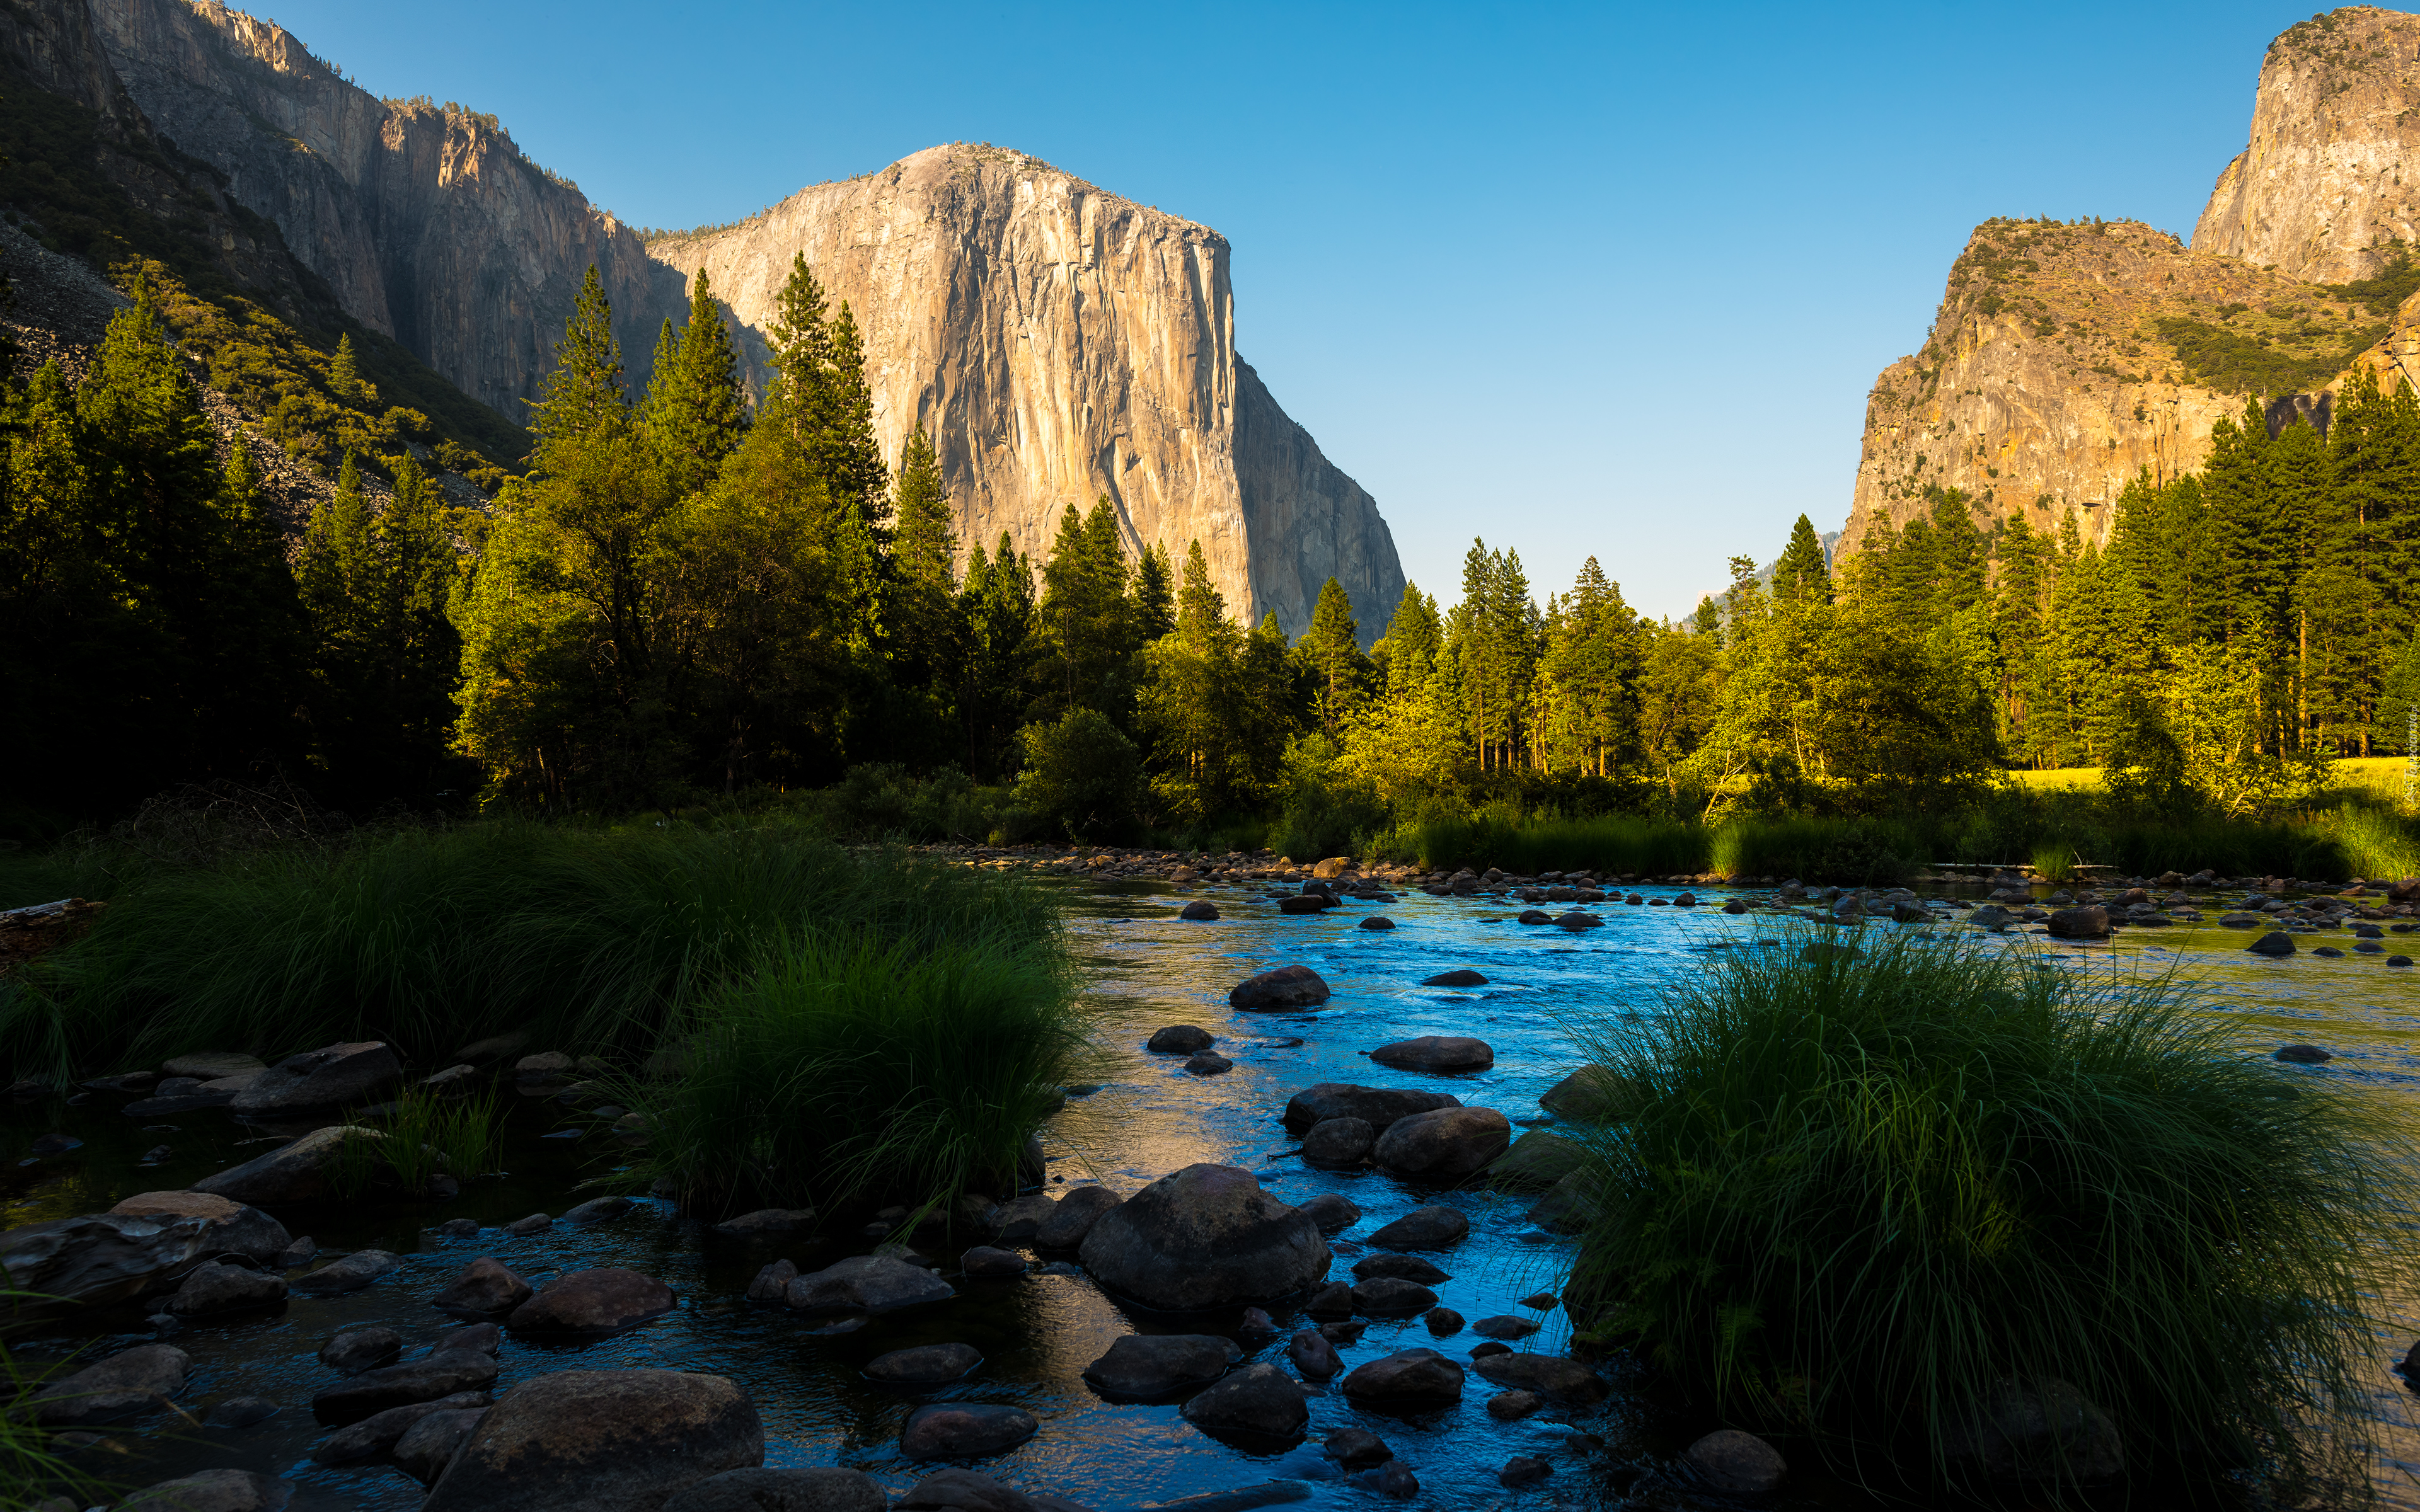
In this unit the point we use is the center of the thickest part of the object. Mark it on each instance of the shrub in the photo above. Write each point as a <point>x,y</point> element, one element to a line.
<point>1850,1196</point>
<point>1080,774</point>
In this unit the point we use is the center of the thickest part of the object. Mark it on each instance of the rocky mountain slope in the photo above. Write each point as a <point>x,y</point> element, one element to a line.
<point>2067,358</point>
<point>1060,343</point>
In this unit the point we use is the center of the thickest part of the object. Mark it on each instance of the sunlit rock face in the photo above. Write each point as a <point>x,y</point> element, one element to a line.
<point>1061,343</point>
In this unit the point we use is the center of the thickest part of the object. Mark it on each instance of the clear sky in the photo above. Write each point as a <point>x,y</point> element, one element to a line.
<point>1605,281</point>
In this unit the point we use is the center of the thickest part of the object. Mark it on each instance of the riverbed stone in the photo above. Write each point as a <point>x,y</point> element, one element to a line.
<point>484,1287</point>
<point>986,1263</point>
<point>1442,1321</point>
<point>1314,1355</point>
<point>1430,1227</point>
<point>1357,1448</point>
<point>376,1433</point>
<point>211,1065</point>
<point>1539,1159</point>
<point>805,1489</point>
<point>1504,1326</point>
<point>228,1227</point>
<point>1377,921</point>
<point>1021,1218</point>
<point>239,1412</point>
<point>2275,942</point>
<point>1206,1064</point>
<point>1440,1053</point>
<point>1200,910</point>
<point>2083,924</point>
<point>2036,1430</point>
<point>101,1258</point>
<point>1402,1266</point>
<point>1208,1236</point>
<point>1334,1300</point>
<point>1737,1463</point>
<point>1387,1296</point>
<point>772,1283</point>
<point>353,1350</point>
<point>350,1272</point>
<point>1378,1107</point>
<point>426,1447</point>
<point>296,1172</point>
<point>1142,1366</point>
<point>1549,1375</point>
<point>215,1490</point>
<point>1460,977</point>
<point>963,1491</point>
<point>601,1441</point>
<point>1592,1094</point>
<point>769,1223</point>
<point>866,1283</point>
<point>424,1379</point>
<point>1260,1399</point>
<point>1074,1217</point>
<point>1406,1376</point>
<point>926,1365</point>
<point>216,1286</point>
<point>596,1211</point>
<point>1282,987</point>
<point>130,1381</point>
<point>535,1223</point>
<point>1337,1144</point>
<point>2303,1055</point>
<point>1181,1040</point>
<point>965,1430</point>
<point>1506,1406</point>
<point>1331,1213</point>
<point>601,1300</point>
<point>348,1073</point>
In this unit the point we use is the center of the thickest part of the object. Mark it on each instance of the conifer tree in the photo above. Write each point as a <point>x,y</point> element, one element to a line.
<point>1802,574</point>
<point>1154,594</point>
<point>924,549</point>
<point>344,377</point>
<point>695,409</point>
<point>1329,654</point>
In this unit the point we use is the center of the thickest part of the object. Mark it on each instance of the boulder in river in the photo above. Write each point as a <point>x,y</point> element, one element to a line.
<point>926,1364</point>
<point>211,1065</point>
<point>1443,1053</point>
<point>1504,1326</point>
<point>1281,988</point>
<point>769,1223</point>
<point>965,1430</point>
<point>214,1286</point>
<point>2276,942</point>
<point>2303,1055</point>
<point>954,1489</point>
<point>130,1381</point>
<point>347,1074</point>
<point>1332,1214</point>
<point>429,1446</point>
<point>1314,1355</point>
<point>1537,1161</point>
<point>1402,1266</point>
<point>866,1283</point>
<point>214,1490</point>
<point>353,1350</point>
<point>350,1272</point>
<point>228,1227</point>
<point>1387,1296</point>
<point>1180,1039</point>
<point>1208,1236</point>
<point>1073,1217</point>
<point>1461,977</point>
<point>1200,910</point>
<point>985,1262</point>
<point>1143,1367</point>
<point>1206,1064</point>
<point>1407,1377</point>
<point>1258,1399</point>
<point>1018,1219</point>
<point>601,1441</point>
<point>1377,1107</point>
<point>376,1433</point>
<point>483,1287</point>
<point>2091,922</point>
<point>1736,1463</point>
<point>1430,1227</point>
<point>604,1299</point>
<point>424,1379</point>
<point>1444,1144</point>
<point>800,1489</point>
<point>302,1171</point>
<point>1337,1144</point>
<point>1549,1375</point>
<point>596,1210</point>
<point>1592,1094</point>
<point>101,1258</point>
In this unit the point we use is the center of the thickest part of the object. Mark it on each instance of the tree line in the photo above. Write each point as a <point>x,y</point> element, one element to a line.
<point>691,594</point>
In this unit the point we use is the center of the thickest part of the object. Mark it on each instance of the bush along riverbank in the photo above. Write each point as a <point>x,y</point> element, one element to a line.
<point>1955,1220</point>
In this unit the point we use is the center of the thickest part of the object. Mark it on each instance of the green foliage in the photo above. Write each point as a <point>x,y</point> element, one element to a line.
<point>1849,1195</point>
<point>2232,362</point>
<point>2384,291</point>
<point>1082,774</point>
<point>421,1136</point>
<point>31,1472</point>
<point>858,1068</point>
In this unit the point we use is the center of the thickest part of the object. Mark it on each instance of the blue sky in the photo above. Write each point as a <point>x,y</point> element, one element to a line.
<point>1605,281</point>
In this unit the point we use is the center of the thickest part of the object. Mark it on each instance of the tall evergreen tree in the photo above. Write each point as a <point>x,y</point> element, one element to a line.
<point>1802,574</point>
<point>1154,594</point>
<point>344,373</point>
<point>1329,654</point>
<point>924,546</point>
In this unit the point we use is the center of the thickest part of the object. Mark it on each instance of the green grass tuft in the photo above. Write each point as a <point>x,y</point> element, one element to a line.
<point>1853,1194</point>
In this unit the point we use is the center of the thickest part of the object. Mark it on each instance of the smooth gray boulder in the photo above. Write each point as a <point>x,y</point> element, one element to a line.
<point>1208,1236</point>
<point>1141,1366</point>
<point>1389,1296</point>
<point>353,1350</point>
<point>1281,988</point>
<point>103,1257</point>
<point>965,1430</point>
<point>1406,1376</point>
<point>376,1433</point>
<point>1074,1216</point>
<point>130,1381</point>
<point>215,1490</point>
<point>1429,1227</point>
<point>1314,1355</point>
<point>601,1441</point>
<point>347,1074</point>
<point>596,1210</point>
<point>1737,1463</point>
<point>603,1298</point>
<point>772,1283</point>
<point>1180,1039</point>
<point>1401,1267</point>
<point>1504,1326</point>
<point>769,1223</point>
<point>1440,1053</point>
<point>1592,1094</point>
<point>1018,1219</point>
<point>1537,1161</point>
<point>1337,1144</point>
<point>926,1364</point>
<point>1332,1214</point>
<point>1377,1107</point>
<point>216,1286</point>
<point>483,1287</point>
<point>820,1489</point>
<point>1447,1144</point>
<point>302,1171</point>
<point>984,1262</point>
<point>424,1379</point>
<point>963,1491</point>
<point>1549,1375</point>
<point>866,1283</point>
<point>1259,1399</point>
<point>351,1273</point>
<point>427,1447</point>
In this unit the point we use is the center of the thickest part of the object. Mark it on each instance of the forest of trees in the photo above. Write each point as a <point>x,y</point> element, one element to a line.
<point>688,594</point>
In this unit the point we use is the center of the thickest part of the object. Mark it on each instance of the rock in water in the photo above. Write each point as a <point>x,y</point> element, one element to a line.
<point>1258,1399</point>
<point>603,1300</point>
<point>1461,978</point>
<point>1737,1464</point>
<point>962,1491</point>
<point>1435,1053</point>
<point>1337,1144</point>
<point>601,1441</point>
<point>1141,1366</point>
<point>130,1381</point>
<point>350,1074</point>
<point>2305,1055</point>
<point>214,1490</point>
<point>1314,1355</point>
<point>1537,1161</point>
<point>2276,942</point>
<point>228,1228</point>
<point>1377,1107</point>
<point>769,1223</point>
<point>1402,1266</point>
<point>1406,1376</point>
<point>1444,1144</point>
<point>482,1288</point>
<point>964,1431</point>
<point>984,1262</point>
<point>353,1350</point>
<point>351,1273</point>
<point>213,1287</point>
<point>822,1489</point>
<point>2087,923</point>
<point>1387,1296</point>
<point>400,1386</point>
<point>1285,987</point>
<point>425,1448</point>
<point>866,1283</point>
<point>1180,1039</point>
<point>1592,1094</point>
<point>1549,1375</point>
<point>929,1365</point>
<point>1332,1214</point>
<point>1200,909</point>
<point>298,1172</point>
<point>378,1432</point>
<point>1208,1236</point>
<point>1431,1227</point>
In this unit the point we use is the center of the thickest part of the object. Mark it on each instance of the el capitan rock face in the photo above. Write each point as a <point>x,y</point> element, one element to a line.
<point>1060,343</point>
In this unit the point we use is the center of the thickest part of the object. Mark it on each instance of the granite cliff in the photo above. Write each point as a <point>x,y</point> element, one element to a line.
<point>2067,358</point>
<point>1060,343</point>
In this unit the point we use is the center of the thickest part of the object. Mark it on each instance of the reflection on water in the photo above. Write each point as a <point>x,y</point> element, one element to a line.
<point>1147,1118</point>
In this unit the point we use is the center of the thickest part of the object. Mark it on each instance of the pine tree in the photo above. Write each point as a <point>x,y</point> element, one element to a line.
<point>343,376</point>
<point>923,557</point>
<point>1802,574</point>
<point>1329,656</point>
<point>1154,594</point>
<point>582,406</point>
<point>696,412</point>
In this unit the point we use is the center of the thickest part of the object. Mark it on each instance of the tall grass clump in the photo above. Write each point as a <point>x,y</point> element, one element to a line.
<point>424,1135</point>
<point>427,938</point>
<point>1848,1197</point>
<point>850,1068</point>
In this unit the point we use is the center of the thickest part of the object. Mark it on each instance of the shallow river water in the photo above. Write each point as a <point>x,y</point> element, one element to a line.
<point>1149,1117</point>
